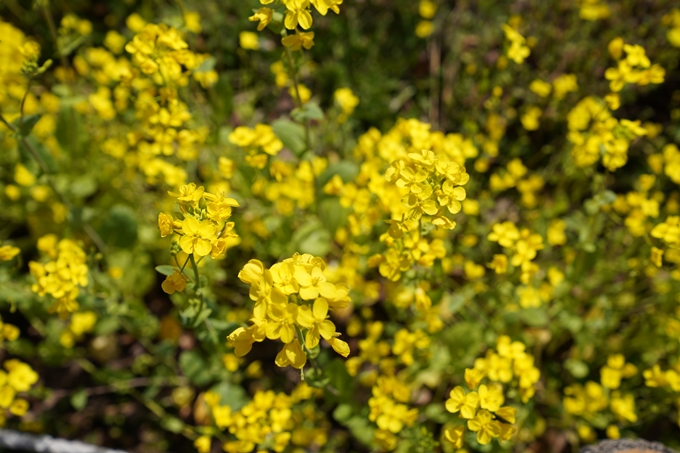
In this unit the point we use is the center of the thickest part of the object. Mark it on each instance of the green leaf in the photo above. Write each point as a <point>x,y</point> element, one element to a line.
<point>119,229</point>
<point>311,238</point>
<point>79,399</point>
<point>106,325</point>
<point>189,318</point>
<point>69,130</point>
<point>231,394</point>
<point>342,413</point>
<point>27,124</point>
<point>166,269</point>
<point>194,367</point>
<point>317,379</point>
<point>340,379</point>
<point>347,171</point>
<point>172,424</point>
<point>535,317</point>
<point>309,111</point>
<point>361,429</point>
<point>291,134</point>
<point>332,214</point>
<point>84,186</point>
<point>578,368</point>
<point>207,65</point>
<point>44,155</point>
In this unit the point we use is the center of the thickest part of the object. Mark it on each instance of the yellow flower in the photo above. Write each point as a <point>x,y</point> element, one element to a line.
<point>322,6</point>
<point>427,9</point>
<point>491,398</point>
<point>455,435</point>
<point>252,272</point>
<point>313,285</point>
<point>485,427</point>
<point>197,237</point>
<point>248,40</point>
<point>19,407</point>
<point>192,21</point>
<point>291,354</point>
<point>21,376</point>
<point>499,264</point>
<point>339,346</point>
<point>175,282</point>
<point>540,87</point>
<point>202,444</point>
<point>283,322</point>
<point>242,340</point>
<point>424,28</point>
<point>465,403</point>
<point>264,16</point>
<point>315,320</point>
<point>507,413</point>
<point>23,177</point>
<point>297,14</point>
<point>7,252</point>
<point>188,194</point>
<point>165,224</point>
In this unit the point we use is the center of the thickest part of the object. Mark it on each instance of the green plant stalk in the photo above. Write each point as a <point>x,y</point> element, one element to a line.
<point>53,32</point>
<point>194,265</point>
<point>98,241</point>
<point>293,73</point>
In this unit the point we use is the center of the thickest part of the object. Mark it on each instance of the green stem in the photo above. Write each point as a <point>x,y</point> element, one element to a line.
<point>293,74</point>
<point>53,32</point>
<point>43,166</point>
<point>194,265</point>
<point>23,101</point>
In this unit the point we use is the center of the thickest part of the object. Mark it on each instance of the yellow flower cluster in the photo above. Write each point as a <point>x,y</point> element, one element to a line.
<point>273,419</point>
<point>524,244</point>
<point>595,133</point>
<point>81,323</point>
<point>8,332</point>
<point>160,52</point>
<point>589,402</point>
<point>292,302</point>
<point>8,252</point>
<point>635,68</point>
<point>203,231</point>
<point>672,19</point>
<point>509,361</point>
<point>668,231</point>
<point>427,185</point>
<point>19,377</point>
<point>390,410</point>
<point>62,275</point>
<point>374,351</point>
<point>259,143</point>
<point>482,406</point>
<point>161,62</point>
<point>669,161</point>
<point>656,377</point>
<point>296,13</point>
<point>347,101</point>
<point>293,186</point>
<point>615,370</point>
<point>594,10</point>
<point>518,50</point>
<point>638,208</point>
<point>427,9</point>
<point>18,54</point>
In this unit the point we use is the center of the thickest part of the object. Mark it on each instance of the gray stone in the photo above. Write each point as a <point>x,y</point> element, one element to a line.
<point>627,446</point>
